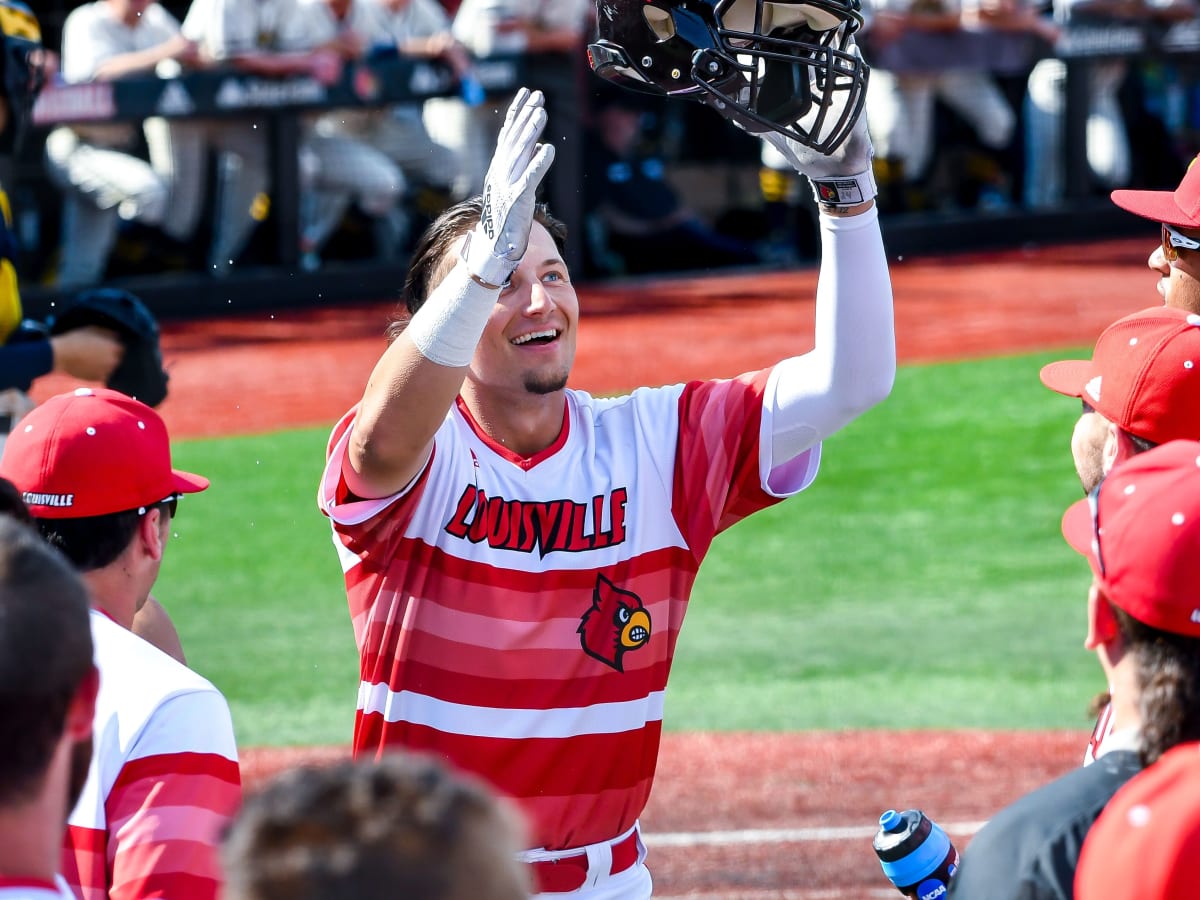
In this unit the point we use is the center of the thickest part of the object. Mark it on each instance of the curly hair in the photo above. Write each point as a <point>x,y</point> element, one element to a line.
<point>1168,674</point>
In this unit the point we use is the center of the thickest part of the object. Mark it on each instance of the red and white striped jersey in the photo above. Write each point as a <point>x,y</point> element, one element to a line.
<point>164,778</point>
<point>518,616</point>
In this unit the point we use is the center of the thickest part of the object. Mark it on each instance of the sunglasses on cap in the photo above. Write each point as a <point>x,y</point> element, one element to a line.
<point>1172,241</point>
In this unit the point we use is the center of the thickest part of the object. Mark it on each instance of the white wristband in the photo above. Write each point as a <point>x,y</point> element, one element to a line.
<point>838,192</point>
<point>447,327</point>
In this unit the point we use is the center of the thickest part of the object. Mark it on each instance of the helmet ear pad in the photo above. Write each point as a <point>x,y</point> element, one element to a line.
<point>784,91</point>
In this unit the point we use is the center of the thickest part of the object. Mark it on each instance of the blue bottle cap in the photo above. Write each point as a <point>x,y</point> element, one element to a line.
<point>891,821</point>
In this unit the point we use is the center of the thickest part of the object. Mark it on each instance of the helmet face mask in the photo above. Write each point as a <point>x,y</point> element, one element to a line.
<point>769,65</point>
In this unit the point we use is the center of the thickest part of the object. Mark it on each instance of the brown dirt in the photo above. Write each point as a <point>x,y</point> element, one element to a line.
<point>260,372</point>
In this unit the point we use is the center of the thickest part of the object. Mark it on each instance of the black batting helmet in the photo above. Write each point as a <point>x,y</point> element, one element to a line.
<point>783,65</point>
<point>20,63</point>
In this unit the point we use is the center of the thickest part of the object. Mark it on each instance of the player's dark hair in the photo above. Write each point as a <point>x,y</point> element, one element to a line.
<point>45,655</point>
<point>401,826</point>
<point>427,266</point>
<point>1140,444</point>
<point>92,542</point>
<point>1168,674</point>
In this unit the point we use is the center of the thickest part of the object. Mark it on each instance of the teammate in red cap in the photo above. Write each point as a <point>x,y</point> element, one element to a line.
<point>1146,843</point>
<point>1141,388</point>
<point>94,468</point>
<point>1140,530</point>
<point>1177,258</point>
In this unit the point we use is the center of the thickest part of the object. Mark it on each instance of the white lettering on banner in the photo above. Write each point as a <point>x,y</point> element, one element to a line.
<point>237,94</point>
<point>1182,36</point>
<point>428,80</point>
<point>176,101</point>
<point>74,102</point>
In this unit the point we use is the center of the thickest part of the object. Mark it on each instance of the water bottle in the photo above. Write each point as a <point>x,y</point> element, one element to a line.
<point>916,854</point>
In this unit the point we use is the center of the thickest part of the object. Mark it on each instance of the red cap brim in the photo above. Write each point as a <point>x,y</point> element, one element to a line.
<point>1158,206</point>
<point>187,483</point>
<point>1068,376</point>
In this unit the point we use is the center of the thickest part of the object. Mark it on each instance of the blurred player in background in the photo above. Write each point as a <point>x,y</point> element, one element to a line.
<point>25,353</point>
<point>518,555</point>
<point>94,467</point>
<point>96,166</point>
<point>47,701</point>
<point>276,38</point>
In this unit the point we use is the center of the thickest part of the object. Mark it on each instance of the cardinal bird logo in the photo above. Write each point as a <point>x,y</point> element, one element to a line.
<point>614,624</point>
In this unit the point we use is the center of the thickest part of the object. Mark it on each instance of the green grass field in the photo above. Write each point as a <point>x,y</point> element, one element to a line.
<point>921,582</point>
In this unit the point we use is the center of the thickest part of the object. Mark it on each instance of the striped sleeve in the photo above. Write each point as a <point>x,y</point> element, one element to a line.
<point>718,480</point>
<point>168,807</point>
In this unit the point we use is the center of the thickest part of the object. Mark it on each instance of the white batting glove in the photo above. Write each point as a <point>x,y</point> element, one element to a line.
<point>493,251</point>
<point>844,176</point>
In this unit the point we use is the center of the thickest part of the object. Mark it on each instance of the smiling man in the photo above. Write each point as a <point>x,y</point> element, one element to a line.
<point>519,554</point>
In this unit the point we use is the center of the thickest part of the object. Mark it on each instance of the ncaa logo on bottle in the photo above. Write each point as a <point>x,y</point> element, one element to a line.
<point>931,889</point>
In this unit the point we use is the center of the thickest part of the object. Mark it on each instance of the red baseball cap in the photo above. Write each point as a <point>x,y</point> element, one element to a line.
<point>1144,374</point>
<point>1146,843</point>
<point>1140,531</point>
<point>1179,207</point>
<point>92,452</point>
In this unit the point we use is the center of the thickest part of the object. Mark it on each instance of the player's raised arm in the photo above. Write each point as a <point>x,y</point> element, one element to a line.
<point>853,364</point>
<point>417,379</point>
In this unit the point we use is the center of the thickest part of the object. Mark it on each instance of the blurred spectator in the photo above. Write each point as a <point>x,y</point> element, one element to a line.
<point>270,38</point>
<point>338,168</point>
<point>504,28</point>
<point>1107,140</point>
<point>94,467</point>
<point>400,826</point>
<point>925,51</point>
<point>47,701</point>
<point>377,30</point>
<point>95,166</point>
<point>637,221</point>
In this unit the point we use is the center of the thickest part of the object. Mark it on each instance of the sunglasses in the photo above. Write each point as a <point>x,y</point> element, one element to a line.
<point>170,504</point>
<point>1172,241</point>
<point>1093,499</point>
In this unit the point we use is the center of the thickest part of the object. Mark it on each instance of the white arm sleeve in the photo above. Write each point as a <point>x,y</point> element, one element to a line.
<point>853,363</point>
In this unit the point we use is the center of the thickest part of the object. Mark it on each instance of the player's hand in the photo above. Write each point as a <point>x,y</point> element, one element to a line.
<point>509,191</point>
<point>851,157</point>
<point>842,178</point>
<point>90,352</point>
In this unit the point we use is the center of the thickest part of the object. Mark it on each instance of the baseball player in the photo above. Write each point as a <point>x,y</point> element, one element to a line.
<point>1176,258</point>
<point>272,38</point>
<point>47,700</point>
<point>1140,532</point>
<point>518,554</point>
<point>102,179</point>
<point>90,353</point>
<point>94,468</point>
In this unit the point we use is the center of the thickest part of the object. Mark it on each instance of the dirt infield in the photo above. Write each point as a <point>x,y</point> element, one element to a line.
<point>733,816</point>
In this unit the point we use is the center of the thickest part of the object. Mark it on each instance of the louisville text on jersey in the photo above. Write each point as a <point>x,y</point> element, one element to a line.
<point>555,525</point>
